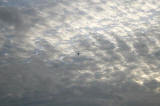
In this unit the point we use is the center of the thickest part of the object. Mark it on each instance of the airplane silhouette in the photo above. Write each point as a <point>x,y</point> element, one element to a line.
<point>78,53</point>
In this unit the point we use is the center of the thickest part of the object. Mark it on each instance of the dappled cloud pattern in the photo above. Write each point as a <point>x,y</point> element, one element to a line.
<point>79,52</point>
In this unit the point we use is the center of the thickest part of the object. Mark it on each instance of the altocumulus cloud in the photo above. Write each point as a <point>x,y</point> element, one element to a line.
<point>118,44</point>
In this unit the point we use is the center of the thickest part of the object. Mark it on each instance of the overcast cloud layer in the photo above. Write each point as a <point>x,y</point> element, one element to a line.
<point>118,42</point>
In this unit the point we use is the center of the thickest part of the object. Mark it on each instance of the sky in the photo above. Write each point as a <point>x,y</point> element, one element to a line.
<point>79,53</point>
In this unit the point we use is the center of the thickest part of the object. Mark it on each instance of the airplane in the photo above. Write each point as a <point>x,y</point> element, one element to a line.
<point>78,53</point>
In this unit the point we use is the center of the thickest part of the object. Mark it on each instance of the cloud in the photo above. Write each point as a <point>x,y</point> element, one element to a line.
<point>118,42</point>
<point>14,18</point>
<point>15,24</point>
